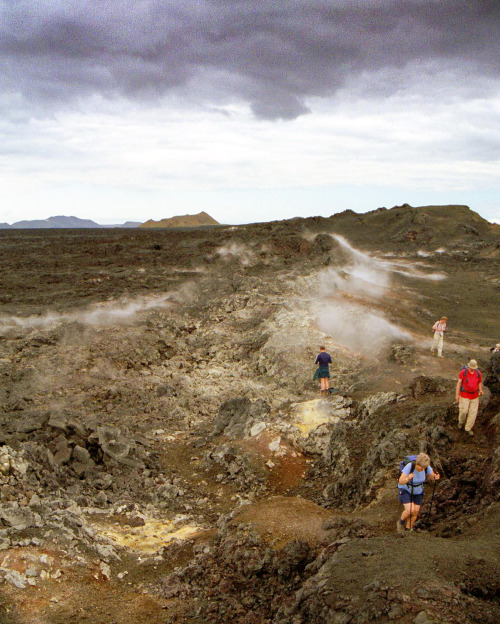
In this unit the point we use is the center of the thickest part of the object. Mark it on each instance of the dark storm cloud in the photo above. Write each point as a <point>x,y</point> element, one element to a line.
<point>272,55</point>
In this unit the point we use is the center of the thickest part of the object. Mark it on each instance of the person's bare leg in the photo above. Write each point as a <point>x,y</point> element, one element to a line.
<point>406,511</point>
<point>411,520</point>
<point>410,514</point>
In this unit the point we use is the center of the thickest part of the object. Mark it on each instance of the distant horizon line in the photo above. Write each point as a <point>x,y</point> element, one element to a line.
<point>137,222</point>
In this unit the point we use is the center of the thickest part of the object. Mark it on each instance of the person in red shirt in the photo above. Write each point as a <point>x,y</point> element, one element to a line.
<point>469,388</point>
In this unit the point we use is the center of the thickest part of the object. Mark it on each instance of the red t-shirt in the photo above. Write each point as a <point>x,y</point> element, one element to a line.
<point>473,379</point>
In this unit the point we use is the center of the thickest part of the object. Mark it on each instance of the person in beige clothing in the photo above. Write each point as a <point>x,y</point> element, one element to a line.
<point>469,389</point>
<point>439,328</point>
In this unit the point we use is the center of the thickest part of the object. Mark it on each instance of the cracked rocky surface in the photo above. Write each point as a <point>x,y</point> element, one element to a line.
<point>166,457</point>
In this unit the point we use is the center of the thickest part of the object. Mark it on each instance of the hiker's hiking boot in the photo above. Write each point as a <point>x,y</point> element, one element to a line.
<point>400,526</point>
<point>470,432</point>
<point>460,425</point>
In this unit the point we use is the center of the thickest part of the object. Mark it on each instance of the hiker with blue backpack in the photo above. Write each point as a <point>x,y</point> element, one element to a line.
<point>414,471</point>
<point>469,389</point>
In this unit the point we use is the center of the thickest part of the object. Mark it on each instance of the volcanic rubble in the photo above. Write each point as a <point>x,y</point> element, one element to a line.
<point>167,456</point>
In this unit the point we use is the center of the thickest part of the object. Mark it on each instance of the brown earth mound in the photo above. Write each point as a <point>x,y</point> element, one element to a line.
<point>202,219</point>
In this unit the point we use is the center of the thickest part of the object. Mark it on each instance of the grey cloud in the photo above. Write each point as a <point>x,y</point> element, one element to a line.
<point>275,56</point>
<point>272,105</point>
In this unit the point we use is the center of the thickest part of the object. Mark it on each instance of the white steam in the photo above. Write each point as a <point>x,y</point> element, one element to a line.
<point>347,297</point>
<point>98,315</point>
<point>356,328</point>
<point>362,262</point>
<point>416,274</point>
<point>237,251</point>
<point>355,280</point>
<point>426,254</point>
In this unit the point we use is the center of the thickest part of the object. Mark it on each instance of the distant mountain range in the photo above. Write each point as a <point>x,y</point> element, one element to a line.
<point>202,219</point>
<point>63,222</point>
<point>199,220</point>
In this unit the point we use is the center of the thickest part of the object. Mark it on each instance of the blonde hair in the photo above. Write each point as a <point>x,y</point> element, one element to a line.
<point>423,460</point>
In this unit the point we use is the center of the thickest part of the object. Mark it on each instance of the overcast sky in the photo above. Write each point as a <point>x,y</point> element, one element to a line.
<point>251,110</point>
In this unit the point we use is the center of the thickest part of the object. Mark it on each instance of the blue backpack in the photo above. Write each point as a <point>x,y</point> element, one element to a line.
<point>407,460</point>
<point>410,459</point>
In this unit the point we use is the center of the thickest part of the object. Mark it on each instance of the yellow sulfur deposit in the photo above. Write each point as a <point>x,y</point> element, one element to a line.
<point>309,415</point>
<point>150,537</point>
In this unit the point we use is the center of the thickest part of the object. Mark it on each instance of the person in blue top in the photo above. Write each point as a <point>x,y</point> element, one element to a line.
<point>411,489</point>
<point>323,359</point>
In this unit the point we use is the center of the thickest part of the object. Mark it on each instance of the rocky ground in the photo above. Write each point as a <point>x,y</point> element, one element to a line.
<point>165,455</point>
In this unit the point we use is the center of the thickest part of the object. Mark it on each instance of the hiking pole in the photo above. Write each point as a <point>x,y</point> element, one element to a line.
<point>411,502</point>
<point>432,498</point>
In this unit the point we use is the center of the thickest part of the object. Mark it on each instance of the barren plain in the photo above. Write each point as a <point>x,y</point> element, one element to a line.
<point>165,455</point>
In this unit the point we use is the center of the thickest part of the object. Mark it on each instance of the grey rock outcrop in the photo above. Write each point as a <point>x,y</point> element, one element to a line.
<point>237,416</point>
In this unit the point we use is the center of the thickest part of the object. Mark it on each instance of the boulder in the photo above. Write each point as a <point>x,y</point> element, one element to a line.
<point>403,354</point>
<point>27,422</point>
<point>492,374</point>
<point>117,446</point>
<point>423,618</point>
<point>16,517</point>
<point>4,461</point>
<point>113,443</point>
<point>68,424</point>
<point>375,401</point>
<point>12,462</point>
<point>237,416</point>
<point>62,457</point>
<point>14,578</point>
<point>423,385</point>
<point>81,455</point>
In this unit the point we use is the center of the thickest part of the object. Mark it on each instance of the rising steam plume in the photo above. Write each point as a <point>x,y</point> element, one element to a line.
<point>106,314</point>
<point>353,323</point>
